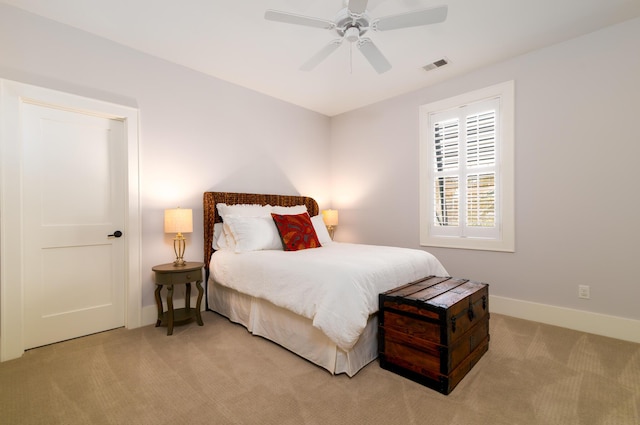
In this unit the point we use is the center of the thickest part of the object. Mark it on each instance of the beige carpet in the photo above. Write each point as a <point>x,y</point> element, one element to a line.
<point>220,374</point>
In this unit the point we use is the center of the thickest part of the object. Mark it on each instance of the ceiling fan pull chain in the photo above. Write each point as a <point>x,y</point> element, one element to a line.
<point>350,58</point>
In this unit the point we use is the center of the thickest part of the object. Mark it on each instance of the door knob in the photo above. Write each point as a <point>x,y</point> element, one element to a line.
<point>116,234</point>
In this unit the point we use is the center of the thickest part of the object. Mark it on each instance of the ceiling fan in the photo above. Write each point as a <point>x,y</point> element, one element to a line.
<point>352,22</point>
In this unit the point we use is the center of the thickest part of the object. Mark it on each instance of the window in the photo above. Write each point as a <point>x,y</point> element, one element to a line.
<point>466,171</point>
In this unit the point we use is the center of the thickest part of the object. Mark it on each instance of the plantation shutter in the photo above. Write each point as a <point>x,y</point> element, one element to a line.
<point>447,163</point>
<point>464,171</point>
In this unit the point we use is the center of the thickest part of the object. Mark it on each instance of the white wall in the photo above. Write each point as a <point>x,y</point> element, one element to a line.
<point>197,133</point>
<point>577,194</point>
<point>575,215</point>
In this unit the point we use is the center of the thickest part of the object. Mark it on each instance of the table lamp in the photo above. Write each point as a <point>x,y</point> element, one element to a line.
<point>179,221</point>
<point>330,218</point>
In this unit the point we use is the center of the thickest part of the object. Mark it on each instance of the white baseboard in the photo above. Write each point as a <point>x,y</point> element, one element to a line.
<point>579,320</point>
<point>150,312</point>
<point>585,321</point>
<point>149,315</point>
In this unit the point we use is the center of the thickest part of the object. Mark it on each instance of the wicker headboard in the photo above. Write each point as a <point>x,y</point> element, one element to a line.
<point>211,215</point>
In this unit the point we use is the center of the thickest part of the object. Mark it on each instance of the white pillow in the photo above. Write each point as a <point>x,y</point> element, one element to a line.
<point>218,236</point>
<point>321,229</point>
<point>253,233</point>
<point>225,240</point>
<point>298,209</point>
<point>246,210</point>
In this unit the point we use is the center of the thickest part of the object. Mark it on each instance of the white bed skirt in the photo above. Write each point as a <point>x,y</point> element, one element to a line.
<point>294,332</point>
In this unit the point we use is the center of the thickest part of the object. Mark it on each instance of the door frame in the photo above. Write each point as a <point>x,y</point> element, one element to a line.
<point>12,95</point>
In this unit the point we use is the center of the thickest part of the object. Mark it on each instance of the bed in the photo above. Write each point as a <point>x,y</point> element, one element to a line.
<point>318,328</point>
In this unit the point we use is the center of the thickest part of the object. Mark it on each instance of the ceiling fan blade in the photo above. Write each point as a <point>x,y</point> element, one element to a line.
<point>433,15</point>
<point>357,7</point>
<point>373,55</point>
<point>321,55</point>
<point>290,18</point>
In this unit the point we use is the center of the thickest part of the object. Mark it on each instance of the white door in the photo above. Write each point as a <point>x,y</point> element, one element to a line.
<point>74,197</point>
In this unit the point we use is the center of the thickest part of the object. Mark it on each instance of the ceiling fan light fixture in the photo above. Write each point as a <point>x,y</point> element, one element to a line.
<point>352,34</point>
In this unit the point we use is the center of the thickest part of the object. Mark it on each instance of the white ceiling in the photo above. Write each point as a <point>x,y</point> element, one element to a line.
<point>231,40</point>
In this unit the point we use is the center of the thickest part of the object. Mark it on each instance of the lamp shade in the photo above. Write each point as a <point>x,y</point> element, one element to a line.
<point>178,220</point>
<point>330,217</point>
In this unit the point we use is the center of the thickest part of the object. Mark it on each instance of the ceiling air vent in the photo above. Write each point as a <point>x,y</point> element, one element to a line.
<point>436,64</point>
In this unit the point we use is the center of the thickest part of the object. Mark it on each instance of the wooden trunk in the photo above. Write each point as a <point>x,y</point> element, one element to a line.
<point>434,330</point>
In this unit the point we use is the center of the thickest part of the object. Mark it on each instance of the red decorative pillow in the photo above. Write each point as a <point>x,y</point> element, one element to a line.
<point>296,231</point>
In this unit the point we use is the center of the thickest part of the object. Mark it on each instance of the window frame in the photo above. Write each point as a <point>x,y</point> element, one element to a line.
<point>503,238</point>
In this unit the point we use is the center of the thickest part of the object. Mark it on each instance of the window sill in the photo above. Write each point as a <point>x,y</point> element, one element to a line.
<point>469,243</point>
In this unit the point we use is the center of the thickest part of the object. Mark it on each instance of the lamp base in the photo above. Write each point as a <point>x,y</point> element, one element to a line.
<point>178,247</point>
<point>331,230</point>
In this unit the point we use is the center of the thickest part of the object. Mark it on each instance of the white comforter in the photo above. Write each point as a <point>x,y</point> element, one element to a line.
<point>336,286</point>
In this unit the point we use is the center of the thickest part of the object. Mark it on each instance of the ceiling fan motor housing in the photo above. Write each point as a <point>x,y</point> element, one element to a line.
<point>351,26</point>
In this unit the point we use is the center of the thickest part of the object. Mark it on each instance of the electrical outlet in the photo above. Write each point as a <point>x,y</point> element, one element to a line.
<point>584,291</point>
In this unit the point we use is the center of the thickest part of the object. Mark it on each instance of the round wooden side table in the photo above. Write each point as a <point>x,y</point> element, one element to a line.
<point>169,275</point>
